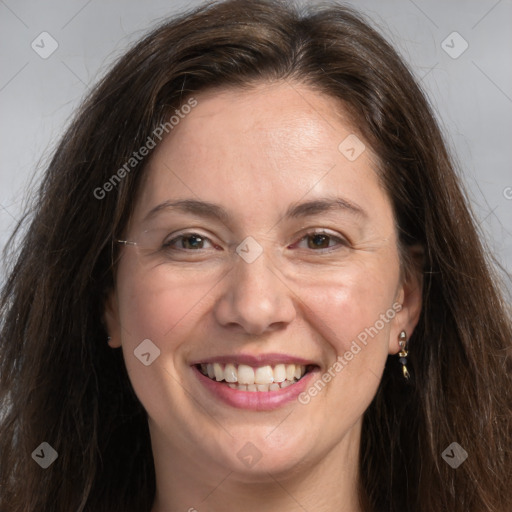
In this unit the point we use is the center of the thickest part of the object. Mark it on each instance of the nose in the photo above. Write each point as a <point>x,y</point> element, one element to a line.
<point>255,299</point>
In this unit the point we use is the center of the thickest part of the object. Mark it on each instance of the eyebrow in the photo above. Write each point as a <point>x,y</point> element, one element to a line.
<point>216,212</point>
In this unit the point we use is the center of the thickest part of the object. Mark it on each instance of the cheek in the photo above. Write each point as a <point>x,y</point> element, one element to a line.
<point>353,314</point>
<point>351,304</point>
<point>159,302</point>
<point>161,310</point>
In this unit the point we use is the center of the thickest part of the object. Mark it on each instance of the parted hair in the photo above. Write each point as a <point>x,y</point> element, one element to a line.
<point>61,383</point>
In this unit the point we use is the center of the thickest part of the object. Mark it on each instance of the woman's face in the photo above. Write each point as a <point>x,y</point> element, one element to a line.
<point>266,248</point>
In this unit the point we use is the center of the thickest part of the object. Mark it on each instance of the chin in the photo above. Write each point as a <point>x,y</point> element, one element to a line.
<point>253,456</point>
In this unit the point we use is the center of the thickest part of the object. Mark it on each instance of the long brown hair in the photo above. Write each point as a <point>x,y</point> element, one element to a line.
<point>62,384</point>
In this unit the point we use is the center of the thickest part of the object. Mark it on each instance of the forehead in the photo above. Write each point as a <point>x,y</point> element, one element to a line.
<point>260,148</point>
<point>280,119</point>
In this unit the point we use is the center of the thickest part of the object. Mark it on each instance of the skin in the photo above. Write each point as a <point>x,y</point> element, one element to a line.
<point>256,152</point>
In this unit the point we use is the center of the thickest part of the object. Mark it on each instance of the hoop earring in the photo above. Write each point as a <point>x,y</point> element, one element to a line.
<point>402,341</point>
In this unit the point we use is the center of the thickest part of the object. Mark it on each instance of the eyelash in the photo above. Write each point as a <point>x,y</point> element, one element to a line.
<point>342,242</point>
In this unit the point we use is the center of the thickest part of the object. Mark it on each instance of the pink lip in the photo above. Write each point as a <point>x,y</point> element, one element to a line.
<point>255,400</point>
<point>256,360</point>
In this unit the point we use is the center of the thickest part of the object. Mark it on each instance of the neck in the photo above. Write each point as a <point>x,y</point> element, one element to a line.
<point>328,483</point>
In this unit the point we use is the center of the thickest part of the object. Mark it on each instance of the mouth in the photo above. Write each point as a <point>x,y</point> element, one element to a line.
<point>263,379</point>
<point>262,382</point>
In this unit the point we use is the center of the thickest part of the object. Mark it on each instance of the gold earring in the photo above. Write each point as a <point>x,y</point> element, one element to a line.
<point>402,341</point>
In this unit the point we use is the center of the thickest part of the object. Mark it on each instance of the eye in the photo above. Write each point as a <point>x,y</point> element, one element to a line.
<point>195,242</point>
<point>188,241</point>
<point>322,240</point>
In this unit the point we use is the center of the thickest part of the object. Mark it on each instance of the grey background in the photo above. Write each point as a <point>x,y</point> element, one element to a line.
<point>472,94</point>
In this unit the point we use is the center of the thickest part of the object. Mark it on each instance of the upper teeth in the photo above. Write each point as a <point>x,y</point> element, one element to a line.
<point>244,374</point>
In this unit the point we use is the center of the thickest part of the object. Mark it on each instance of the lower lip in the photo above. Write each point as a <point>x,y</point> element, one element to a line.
<point>255,400</point>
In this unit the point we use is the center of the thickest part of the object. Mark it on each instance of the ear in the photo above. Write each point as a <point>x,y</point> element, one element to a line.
<point>111,319</point>
<point>409,295</point>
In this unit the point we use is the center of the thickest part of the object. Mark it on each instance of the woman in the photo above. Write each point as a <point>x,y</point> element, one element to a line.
<point>252,281</point>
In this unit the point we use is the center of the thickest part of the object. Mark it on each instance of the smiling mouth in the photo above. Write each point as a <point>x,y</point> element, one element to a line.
<point>247,378</point>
